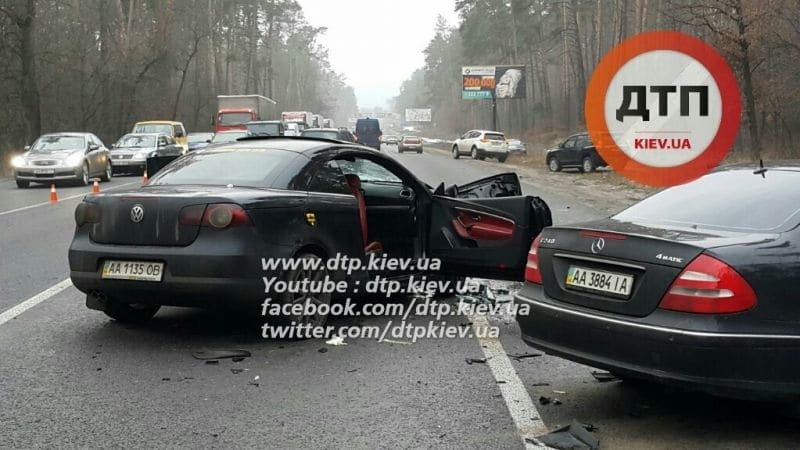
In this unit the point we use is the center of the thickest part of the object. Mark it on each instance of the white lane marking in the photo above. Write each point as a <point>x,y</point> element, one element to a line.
<point>33,301</point>
<point>10,211</point>
<point>520,405</point>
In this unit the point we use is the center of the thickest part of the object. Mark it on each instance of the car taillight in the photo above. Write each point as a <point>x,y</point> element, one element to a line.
<point>532,270</point>
<point>483,139</point>
<point>709,286</point>
<point>218,216</point>
<point>87,213</point>
<point>224,215</point>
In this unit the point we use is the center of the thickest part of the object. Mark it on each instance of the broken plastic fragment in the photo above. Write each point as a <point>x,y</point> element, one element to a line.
<point>336,340</point>
<point>475,360</point>
<point>220,354</point>
<point>575,436</point>
<point>603,377</point>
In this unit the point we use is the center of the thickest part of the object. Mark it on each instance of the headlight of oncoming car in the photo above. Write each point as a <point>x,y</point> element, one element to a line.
<point>73,160</point>
<point>18,161</point>
<point>141,154</point>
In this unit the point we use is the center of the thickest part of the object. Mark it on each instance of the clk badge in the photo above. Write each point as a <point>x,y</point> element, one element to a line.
<point>598,245</point>
<point>137,213</point>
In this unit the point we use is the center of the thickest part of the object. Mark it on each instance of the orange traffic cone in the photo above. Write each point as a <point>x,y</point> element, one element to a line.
<point>53,194</point>
<point>96,187</point>
<point>144,178</point>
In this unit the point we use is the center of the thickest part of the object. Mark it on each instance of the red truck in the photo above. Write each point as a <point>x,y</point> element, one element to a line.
<point>234,111</point>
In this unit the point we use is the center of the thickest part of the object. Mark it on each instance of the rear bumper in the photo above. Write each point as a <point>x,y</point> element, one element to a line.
<point>207,273</point>
<point>492,152</point>
<point>753,366</point>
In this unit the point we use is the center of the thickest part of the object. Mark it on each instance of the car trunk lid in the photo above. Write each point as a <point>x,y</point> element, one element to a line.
<point>621,267</point>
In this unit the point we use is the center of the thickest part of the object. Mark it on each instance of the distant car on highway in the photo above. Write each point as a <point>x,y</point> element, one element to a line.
<point>222,137</point>
<point>199,140</point>
<point>410,144</point>
<point>337,134</point>
<point>516,146</point>
<point>292,129</point>
<point>169,127</point>
<point>195,235</point>
<point>577,151</point>
<point>130,152</point>
<point>390,139</point>
<point>266,128</point>
<point>692,286</point>
<point>368,132</point>
<point>480,144</point>
<point>57,157</point>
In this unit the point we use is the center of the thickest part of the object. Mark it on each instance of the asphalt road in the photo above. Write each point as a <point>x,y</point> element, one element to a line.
<point>71,377</point>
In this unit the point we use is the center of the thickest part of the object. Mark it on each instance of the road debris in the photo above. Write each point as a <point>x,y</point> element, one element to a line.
<point>540,384</point>
<point>336,340</point>
<point>212,361</point>
<point>392,341</point>
<point>547,400</point>
<point>575,436</point>
<point>471,361</point>
<point>559,392</point>
<point>254,382</point>
<point>521,356</point>
<point>221,354</point>
<point>235,371</point>
<point>323,350</point>
<point>604,377</point>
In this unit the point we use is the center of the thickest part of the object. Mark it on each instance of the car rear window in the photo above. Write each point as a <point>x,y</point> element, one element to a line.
<point>730,200</point>
<point>495,136</point>
<point>239,167</point>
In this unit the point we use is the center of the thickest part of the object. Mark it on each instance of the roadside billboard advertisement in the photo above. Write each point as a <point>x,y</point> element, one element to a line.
<point>418,115</point>
<point>487,82</point>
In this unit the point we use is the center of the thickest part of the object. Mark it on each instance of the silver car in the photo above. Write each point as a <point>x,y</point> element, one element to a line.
<point>55,157</point>
<point>130,152</point>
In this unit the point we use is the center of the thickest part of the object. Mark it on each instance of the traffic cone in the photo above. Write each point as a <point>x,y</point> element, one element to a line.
<point>96,187</point>
<point>53,194</point>
<point>144,178</point>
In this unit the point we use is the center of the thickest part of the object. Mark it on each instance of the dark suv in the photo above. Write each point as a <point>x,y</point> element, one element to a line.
<point>577,151</point>
<point>368,132</point>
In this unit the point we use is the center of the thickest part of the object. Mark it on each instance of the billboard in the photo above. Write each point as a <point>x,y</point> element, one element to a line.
<point>487,82</point>
<point>418,115</point>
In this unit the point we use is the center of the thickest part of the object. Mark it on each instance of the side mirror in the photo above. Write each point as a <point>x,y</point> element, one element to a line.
<point>179,134</point>
<point>26,148</point>
<point>93,147</point>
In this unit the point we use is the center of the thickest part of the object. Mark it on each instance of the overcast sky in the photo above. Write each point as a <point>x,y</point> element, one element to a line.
<point>377,44</point>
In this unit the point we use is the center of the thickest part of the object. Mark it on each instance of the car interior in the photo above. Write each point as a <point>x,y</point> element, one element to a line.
<point>387,207</point>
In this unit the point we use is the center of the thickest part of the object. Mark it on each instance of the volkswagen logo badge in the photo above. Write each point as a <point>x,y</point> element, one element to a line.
<point>598,245</point>
<point>137,213</point>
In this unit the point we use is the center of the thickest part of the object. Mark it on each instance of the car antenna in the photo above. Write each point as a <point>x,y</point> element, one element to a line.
<point>761,169</point>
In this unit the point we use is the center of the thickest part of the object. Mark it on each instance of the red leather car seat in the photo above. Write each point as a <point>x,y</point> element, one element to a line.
<point>355,186</point>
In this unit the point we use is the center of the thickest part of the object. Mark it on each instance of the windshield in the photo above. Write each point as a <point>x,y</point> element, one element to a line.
<point>228,136</point>
<point>230,119</point>
<point>752,203</point>
<point>271,129</point>
<point>320,134</point>
<point>494,136</point>
<point>158,128</point>
<point>49,144</point>
<point>242,167</point>
<point>137,141</point>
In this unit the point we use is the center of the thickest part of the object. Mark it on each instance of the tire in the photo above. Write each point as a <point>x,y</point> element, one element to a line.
<point>23,184</point>
<point>131,312</point>
<point>474,153</point>
<point>456,154</point>
<point>587,165</point>
<point>83,179</point>
<point>553,164</point>
<point>108,173</point>
<point>419,152</point>
<point>502,159</point>
<point>295,298</point>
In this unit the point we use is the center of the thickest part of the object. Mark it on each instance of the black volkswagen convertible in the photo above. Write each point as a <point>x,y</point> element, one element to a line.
<point>199,232</point>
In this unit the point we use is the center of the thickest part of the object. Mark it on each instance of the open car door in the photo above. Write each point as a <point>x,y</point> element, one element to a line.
<point>484,229</point>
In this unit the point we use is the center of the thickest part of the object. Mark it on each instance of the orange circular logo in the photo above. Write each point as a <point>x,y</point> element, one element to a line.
<point>663,108</point>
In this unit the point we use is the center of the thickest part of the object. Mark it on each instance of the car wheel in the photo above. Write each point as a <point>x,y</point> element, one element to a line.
<point>130,312</point>
<point>320,300</point>
<point>474,153</point>
<point>587,165</point>
<point>553,164</point>
<point>83,178</point>
<point>502,159</point>
<point>419,151</point>
<point>455,152</point>
<point>23,184</point>
<point>108,173</point>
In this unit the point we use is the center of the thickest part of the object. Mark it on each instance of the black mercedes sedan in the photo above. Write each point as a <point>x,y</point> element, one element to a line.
<point>697,285</point>
<point>203,230</point>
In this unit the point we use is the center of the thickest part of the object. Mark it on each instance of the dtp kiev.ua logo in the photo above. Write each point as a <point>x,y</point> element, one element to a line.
<point>663,108</point>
